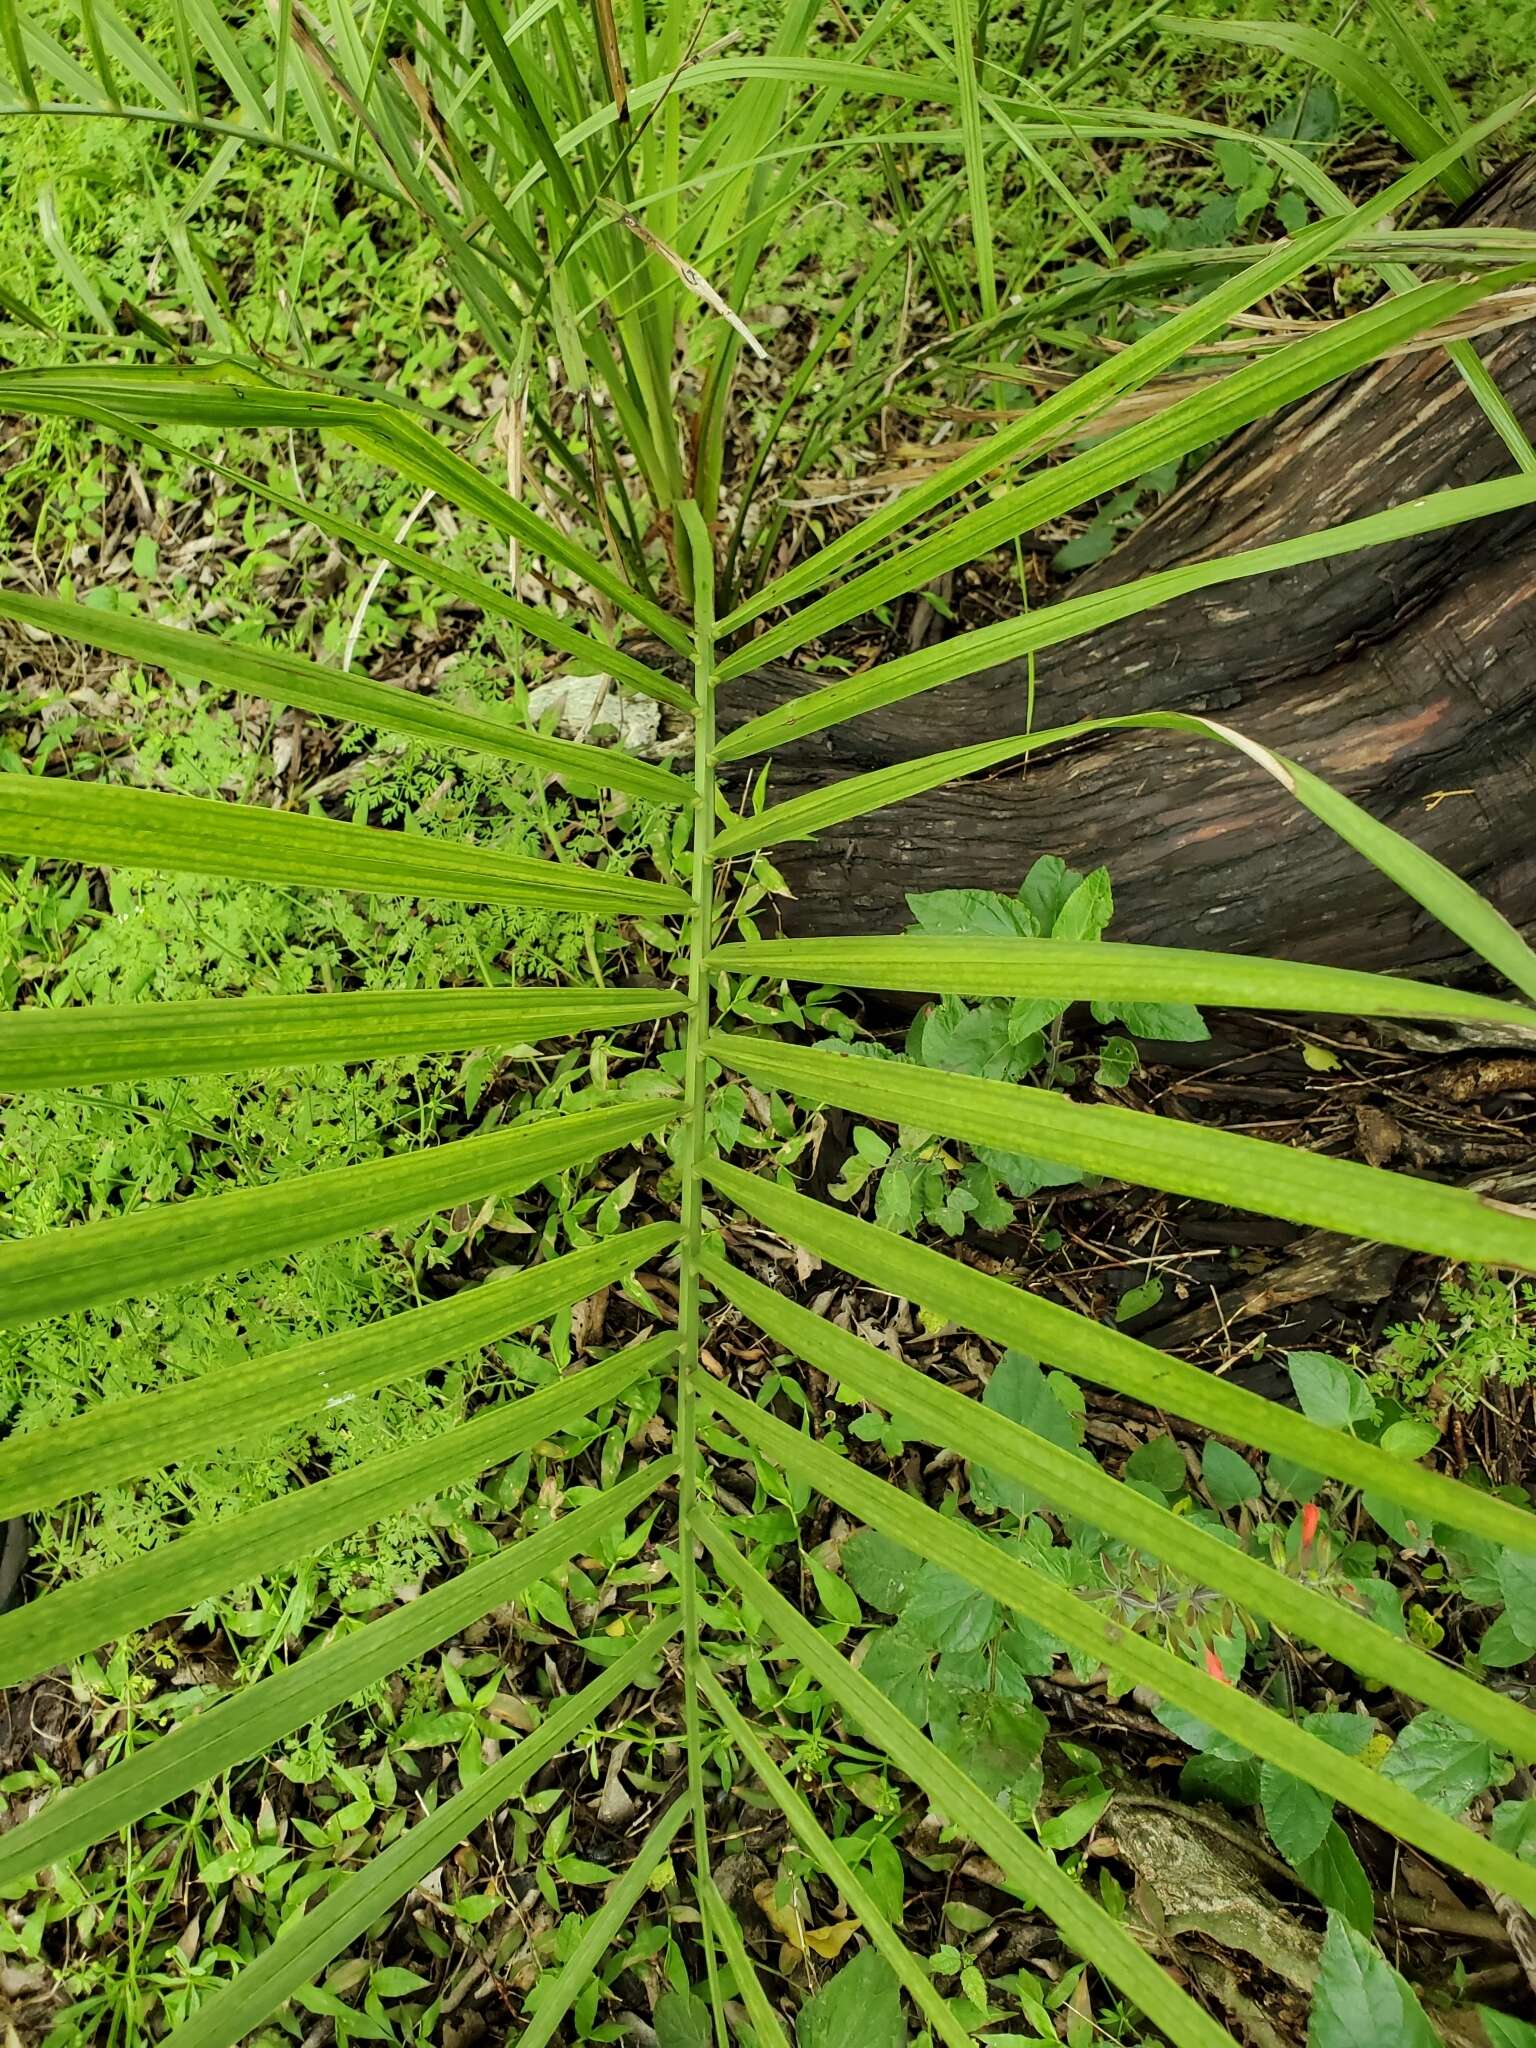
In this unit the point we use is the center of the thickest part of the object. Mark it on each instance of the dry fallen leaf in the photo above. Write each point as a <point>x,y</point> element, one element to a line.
<point>789,1921</point>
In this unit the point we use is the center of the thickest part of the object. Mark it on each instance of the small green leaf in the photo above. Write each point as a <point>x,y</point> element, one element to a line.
<point>994,1740</point>
<point>1019,1390</point>
<point>1045,891</point>
<point>1328,1392</point>
<point>1410,1438</point>
<point>945,1612</point>
<point>886,1877</point>
<point>433,1731</point>
<point>1517,1583</point>
<point>1502,1646</point>
<point>1159,1463</point>
<point>1335,1874</point>
<point>901,1669</point>
<point>896,1196</point>
<point>394,1982</point>
<point>1087,910</point>
<point>1024,1652</point>
<point>1441,1763</point>
<point>965,911</point>
<point>1297,1816</point>
<point>1504,2030</point>
<point>1181,1022</point>
<point>1513,1827</point>
<point>1137,1300</point>
<point>1117,1063</point>
<point>1359,1998</point>
<point>681,2020</point>
<point>1222,1771</point>
<point>835,1594</point>
<point>1229,1479</point>
<point>1350,1734</point>
<point>880,1572</point>
<point>968,1038</point>
<point>1066,1830</point>
<point>859,2008</point>
<point>1026,1173</point>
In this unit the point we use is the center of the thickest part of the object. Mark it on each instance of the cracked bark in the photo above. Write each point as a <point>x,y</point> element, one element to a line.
<point>1406,675</point>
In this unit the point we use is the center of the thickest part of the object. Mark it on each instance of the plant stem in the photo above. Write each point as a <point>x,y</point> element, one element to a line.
<point>696,1146</point>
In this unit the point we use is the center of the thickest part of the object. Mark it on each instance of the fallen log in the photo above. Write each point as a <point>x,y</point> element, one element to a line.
<point>1406,675</point>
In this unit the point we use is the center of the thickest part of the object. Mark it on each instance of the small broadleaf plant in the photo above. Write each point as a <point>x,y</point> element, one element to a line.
<point>919,1179</point>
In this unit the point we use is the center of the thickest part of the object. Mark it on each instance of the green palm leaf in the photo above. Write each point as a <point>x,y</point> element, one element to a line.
<point>1070,971</point>
<point>304,1948</point>
<point>63,1048</point>
<point>521,152</point>
<point>1078,1489</point>
<point>85,1613</point>
<point>1083,1923</point>
<point>1208,414</point>
<point>1155,1152</point>
<point>229,397</point>
<point>819,1844</point>
<point>341,1668</point>
<point>1153,353</point>
<point>287,679</point>
<point>46,818</point>
<point>1443,894</point>
<point>1083,1624</point>
<point>1013,1317</point>
<point>118,1440</point>
<point>968,654</point>
<point>602,1929</point>
<point>88,1264</point>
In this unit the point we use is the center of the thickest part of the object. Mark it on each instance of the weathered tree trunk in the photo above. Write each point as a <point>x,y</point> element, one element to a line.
<point>1406,675</point>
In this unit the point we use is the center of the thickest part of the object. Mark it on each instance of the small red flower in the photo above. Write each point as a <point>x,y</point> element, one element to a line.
<point>1308,1526</point>
<point>1213,1667</point>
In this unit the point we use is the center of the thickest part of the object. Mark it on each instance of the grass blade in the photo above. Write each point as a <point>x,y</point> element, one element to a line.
<point>288,679</point>
<point>1351,70</point>
<point>85,1613</point>
<point>1082,1922</point>
<point>70,267</point>
<point>1079,1489</point>
<point>302,1951</point>
<point>51,818</point>
<point>956,1546</point>
<point>117,1440</point>
<point>1426,73</point>
<point>929,964</point>
<point>975,155</point>
<point>767,2030</point>
<point>1456,904</point>
<point>1011,1316</point>
<point>166,1244</point>
<point>15,52</point>
<point>343,1668</point>
<point>434,570</point>
<point>1184,1159</point>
